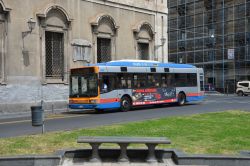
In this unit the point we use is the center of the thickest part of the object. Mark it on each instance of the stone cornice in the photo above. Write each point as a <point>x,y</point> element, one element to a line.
<point>129,7</point>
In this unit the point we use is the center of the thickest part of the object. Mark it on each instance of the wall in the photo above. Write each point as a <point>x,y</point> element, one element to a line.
<point>24,81</point>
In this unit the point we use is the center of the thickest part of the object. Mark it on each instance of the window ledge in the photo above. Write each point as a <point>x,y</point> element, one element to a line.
<point>55,81</point>
<point>3,83</point>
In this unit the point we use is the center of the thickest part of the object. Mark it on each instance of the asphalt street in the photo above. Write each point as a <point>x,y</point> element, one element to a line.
<point>75,120</point>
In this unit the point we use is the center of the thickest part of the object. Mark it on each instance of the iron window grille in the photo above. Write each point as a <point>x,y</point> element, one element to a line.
<point>103,50</point>
<point>54,43</point>
<point>143,51</point>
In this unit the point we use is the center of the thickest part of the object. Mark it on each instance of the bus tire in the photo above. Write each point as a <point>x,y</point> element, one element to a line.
<point>181,99</point>
<point>126,104</point>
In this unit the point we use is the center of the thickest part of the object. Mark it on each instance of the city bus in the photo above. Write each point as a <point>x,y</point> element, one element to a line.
<point>124,84</point>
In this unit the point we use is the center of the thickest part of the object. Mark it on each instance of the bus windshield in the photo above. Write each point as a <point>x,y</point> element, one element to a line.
<point>84,85</point>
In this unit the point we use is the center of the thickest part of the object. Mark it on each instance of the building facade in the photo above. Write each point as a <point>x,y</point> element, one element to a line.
<point>214,35</point>
<point>41,40</point>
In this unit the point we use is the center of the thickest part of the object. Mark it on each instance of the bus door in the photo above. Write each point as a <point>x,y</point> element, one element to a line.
<point>108,86</point>
<point>200,78</point>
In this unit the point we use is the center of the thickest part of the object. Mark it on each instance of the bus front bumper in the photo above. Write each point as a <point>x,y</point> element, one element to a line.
<point>95,106</point>
<point>82,106</point>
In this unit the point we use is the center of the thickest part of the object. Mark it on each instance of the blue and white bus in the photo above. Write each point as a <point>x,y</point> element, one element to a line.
<point>124,84</point>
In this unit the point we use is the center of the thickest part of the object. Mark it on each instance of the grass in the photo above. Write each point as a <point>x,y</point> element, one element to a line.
<point>213,133</point>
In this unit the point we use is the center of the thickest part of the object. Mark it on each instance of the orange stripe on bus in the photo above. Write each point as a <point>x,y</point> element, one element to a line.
<point>194,94</point>
<point>111,100</point>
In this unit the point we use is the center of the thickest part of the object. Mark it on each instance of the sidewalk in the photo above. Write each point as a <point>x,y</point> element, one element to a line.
<point>19,110</point>
<point>27,115</point>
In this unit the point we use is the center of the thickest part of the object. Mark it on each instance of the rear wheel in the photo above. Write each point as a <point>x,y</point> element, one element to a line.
<point>240,93</point>
<point>126,104</point>
<point>181,99</point>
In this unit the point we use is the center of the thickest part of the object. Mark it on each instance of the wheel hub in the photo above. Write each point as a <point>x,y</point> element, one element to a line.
<point>125,103</point>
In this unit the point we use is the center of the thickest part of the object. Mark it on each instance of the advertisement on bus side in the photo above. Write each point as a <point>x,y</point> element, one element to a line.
<point>153,96</point>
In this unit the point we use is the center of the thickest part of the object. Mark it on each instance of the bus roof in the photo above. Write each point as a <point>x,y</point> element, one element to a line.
<point>143,63</point>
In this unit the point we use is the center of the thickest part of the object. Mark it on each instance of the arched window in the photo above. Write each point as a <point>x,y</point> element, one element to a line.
<point>144,36</point>
<point>54,23</point>
<point>104,32</point>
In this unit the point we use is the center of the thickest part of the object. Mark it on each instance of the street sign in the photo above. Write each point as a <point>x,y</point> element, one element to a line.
<point>230,54</point>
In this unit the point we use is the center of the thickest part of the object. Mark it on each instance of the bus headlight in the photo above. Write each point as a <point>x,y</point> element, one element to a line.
<point>93,101</point>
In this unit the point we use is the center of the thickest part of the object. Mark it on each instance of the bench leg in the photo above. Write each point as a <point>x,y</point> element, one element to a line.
<point>151,153</point>
<point>123,155</point>
<point>95,155</point>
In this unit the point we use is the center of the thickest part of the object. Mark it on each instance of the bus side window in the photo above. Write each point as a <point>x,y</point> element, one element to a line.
<point>124,80</point>
<point>112,82</point>
<point>129,80</point>
<point>150,81</point>
<point>191,79</point>
<point>139,80</point>
<point>142,80</point>
<point>104,84</point>
<point>157,78</point>
<point>135,81</point>
<point>170,80</point>
<point>154,80</point>
<point>163,80</point>
<point>121,81</point>
<point>107,83</point>
<point>181,79</point>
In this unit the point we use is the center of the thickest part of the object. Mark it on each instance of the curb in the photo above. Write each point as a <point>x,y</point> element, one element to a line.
<point>175,156</point>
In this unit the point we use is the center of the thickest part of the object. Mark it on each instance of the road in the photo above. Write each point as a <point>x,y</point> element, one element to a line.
<point>69,121</point>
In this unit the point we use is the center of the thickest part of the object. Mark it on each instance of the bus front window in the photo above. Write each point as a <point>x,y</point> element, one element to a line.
<point>74,85</point>
<point>84,86</point>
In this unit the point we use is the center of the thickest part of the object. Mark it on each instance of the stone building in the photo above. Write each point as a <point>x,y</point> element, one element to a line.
<point>40,40</point>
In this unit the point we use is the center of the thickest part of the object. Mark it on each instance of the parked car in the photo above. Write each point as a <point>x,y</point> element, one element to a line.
<point>243,88</point>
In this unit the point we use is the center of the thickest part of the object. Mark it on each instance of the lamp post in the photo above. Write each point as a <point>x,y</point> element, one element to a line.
<point>212,38</point>
<point>31,24</point>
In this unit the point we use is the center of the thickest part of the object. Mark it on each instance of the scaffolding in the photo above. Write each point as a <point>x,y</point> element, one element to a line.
<point>214,35</point>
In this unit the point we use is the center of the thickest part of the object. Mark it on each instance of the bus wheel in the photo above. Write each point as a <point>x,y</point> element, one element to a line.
<point>125,104</point>
<point>181,99</point>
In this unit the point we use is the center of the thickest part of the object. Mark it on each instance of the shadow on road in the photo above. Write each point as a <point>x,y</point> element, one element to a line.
<point>137,108</point>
